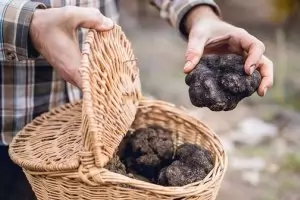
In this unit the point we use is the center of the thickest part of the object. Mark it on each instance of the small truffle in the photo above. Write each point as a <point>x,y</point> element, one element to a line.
<point>192,163</point>
<point>115,165</point>
<point>148,150</point>
<point>196,155</point>
<point>220,82</point>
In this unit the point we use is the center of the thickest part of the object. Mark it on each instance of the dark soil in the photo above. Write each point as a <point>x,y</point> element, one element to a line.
<point>148,154</point>
<point>220,82</point>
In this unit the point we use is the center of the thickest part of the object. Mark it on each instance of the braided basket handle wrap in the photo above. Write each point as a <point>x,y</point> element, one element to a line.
<point>111,92</point>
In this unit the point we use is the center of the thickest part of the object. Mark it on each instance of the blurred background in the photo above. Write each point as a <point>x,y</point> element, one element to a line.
<point>262,135</point>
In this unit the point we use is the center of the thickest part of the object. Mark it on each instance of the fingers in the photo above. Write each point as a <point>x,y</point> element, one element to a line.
<point>253,47</point>
<point>255,50</point>
<point>69,62</point>
<point>194,52</point>
<point>72,75</point>
<point>77,79</point>
<point>90,18</point>
<point>74,66</point>
<point>266,71</point>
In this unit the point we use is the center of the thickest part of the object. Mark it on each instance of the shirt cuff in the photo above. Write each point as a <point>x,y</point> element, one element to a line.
<point>16,23</point>
<point>179,11</point>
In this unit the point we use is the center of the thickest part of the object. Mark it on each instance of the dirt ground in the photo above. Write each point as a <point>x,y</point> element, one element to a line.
<point>160,53</point>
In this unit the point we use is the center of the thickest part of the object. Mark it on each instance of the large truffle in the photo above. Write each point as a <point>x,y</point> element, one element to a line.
<point>220,82</point>
<point>192,163</point>
<point>148,150</point>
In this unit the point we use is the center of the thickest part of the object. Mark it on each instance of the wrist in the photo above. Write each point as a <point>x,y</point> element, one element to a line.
<point>35,21</point>
<point>198,13</point>
<point>33,33</point>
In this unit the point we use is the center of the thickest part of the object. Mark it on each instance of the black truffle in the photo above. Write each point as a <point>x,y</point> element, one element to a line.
<point>148,150</point>
<point>192,163</point>
<point>220,82</point>
<point>115,165</point>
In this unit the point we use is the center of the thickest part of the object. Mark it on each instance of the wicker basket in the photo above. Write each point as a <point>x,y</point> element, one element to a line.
<point>63,152</point>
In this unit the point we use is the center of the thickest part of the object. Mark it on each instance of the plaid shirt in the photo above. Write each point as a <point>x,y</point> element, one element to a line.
<point>29,86</point>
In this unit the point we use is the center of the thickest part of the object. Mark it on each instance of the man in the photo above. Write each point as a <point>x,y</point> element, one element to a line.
<point>40,57</point>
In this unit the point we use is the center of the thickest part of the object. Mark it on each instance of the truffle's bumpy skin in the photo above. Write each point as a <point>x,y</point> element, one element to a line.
<point>115,165</point>
<point>148,150</point>
<point>220,82</point>
<point>192,163</point>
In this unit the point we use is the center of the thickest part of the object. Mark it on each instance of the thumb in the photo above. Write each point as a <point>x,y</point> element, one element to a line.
<point>194,52</point>
<point>91,18</point>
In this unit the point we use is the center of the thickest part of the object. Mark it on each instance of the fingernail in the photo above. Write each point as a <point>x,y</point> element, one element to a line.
<point>252,68</point>
<point>265,91</point>
<point>187,65</point>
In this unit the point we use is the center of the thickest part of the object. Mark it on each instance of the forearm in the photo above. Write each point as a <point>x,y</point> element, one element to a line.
<point>196,14</point>
<point>182,13</point>
<point>16,18</point>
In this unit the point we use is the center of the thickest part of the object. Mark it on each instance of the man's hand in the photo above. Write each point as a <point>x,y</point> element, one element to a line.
<point>208,34</point>
<point>53,34</point>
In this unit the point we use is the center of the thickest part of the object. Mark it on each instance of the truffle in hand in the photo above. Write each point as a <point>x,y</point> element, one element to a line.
<point>220,82</point>
<point>192,163</point>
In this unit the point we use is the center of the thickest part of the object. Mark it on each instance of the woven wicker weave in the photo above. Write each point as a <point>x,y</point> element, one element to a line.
<point>63,152</point>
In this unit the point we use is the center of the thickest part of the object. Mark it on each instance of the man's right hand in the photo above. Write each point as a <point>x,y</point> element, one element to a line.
<point>53,34</point>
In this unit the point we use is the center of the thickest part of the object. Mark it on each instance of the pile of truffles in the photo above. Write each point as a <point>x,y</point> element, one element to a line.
<point>148,150</point>
<point>220,82</point>
<point>149,154</point>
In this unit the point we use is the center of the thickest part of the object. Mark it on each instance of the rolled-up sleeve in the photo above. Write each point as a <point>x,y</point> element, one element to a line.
<point>16,16</point>
<point>175,10</point>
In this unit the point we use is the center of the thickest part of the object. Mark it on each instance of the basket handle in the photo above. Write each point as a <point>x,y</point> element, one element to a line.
<point>111,92</point>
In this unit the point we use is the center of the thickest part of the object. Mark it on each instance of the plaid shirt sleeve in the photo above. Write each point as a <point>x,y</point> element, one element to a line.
<point>14,26</point>
<point>176,10</point>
